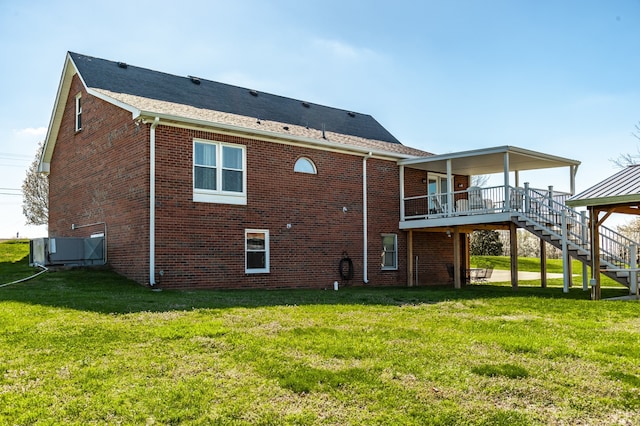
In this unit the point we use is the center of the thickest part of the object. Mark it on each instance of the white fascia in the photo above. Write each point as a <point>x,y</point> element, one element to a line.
<point>177,121</point>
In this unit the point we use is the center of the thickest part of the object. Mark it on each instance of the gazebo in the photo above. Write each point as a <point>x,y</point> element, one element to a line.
<point>619,193</point>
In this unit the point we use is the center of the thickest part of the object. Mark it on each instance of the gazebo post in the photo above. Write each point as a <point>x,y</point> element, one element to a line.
<point>595,253</point>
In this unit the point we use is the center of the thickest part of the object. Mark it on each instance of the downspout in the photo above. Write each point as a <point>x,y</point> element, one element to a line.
<point>365,275</point>
<point>152,202</point>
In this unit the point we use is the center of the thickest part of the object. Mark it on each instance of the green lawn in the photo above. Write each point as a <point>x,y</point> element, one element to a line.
<point>89,347</point>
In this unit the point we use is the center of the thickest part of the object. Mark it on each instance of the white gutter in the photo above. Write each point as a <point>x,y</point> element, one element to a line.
<point>365,274</point>
<point>152,202</point>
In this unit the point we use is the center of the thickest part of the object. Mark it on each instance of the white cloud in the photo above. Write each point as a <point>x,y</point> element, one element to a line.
<point>343,50</point>
<point>31,131</point>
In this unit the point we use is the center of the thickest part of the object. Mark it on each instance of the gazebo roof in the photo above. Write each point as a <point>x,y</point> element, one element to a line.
<point>620,190</point>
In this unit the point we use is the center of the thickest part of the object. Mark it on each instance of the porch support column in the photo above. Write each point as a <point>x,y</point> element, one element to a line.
<point>572,179</point>
<point>457,270</point>
<point>449,188</point>
<point>513,242</point>
<point>543,264</point>
<point>402,193</point>
<point>410,282</point>
<point>507,200</point>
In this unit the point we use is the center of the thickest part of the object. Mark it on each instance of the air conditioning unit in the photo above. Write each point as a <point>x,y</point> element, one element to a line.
<point>67,251</point>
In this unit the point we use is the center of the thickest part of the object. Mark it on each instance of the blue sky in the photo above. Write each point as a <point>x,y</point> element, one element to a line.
<point>561,77</point>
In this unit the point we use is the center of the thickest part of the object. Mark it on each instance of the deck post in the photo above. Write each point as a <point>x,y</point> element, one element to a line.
<point>457,270</point>
<point>584,235</point>
<point>633,265</point>
<point>402,193</point>
<point>410,282</point>
<point>449,188</point>
<point>543,264</point>
<point>513,242</point>
<point>595,253</point>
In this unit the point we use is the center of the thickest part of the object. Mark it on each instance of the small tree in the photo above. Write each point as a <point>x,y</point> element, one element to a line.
<point>486,243</point>
<point>35,193</point>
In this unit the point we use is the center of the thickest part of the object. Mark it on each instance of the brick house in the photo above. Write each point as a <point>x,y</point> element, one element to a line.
<point>206,185</point>
<point>199,184</point>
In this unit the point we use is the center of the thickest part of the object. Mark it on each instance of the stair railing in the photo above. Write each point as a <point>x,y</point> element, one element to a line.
<point>545,210</point>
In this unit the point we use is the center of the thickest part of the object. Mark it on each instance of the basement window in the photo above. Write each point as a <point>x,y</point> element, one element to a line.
<point>389,254</point>
<point>219,173</point>
<point>256,251</point>
<point>305,165</point>
<point>78,112</point>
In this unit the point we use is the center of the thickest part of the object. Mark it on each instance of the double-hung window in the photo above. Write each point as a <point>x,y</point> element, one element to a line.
<point>256,251</point>
<point>389,256</point>
<point>219,173</point>
<point>78,112</point>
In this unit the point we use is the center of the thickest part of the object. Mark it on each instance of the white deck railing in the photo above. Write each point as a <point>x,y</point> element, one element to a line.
<point>544,207</point>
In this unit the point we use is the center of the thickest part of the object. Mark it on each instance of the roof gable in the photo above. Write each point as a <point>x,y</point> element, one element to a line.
<point>210,95</point>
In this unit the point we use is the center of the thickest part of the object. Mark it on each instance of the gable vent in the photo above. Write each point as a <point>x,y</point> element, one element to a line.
<point>253,93</point>
<point>194,80</point>
<point>122,65</point>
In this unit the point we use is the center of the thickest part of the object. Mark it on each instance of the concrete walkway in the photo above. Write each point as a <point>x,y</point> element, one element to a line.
<point>501,275</point>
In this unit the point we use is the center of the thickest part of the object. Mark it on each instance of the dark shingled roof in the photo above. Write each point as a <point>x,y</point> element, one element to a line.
<point>120,78</point>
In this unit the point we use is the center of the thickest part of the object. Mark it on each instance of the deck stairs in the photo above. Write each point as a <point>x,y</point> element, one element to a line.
<point>551,220</point>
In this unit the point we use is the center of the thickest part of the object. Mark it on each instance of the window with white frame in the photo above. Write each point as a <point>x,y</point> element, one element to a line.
<point>389,256</point>
<point>219,172</point>
<point>256,251</point>
<point>78,112</point>
<point>305,165</point>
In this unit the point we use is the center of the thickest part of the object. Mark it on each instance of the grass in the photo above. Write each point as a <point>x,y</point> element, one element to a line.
<point>89,347</point>
<point>533,265</point>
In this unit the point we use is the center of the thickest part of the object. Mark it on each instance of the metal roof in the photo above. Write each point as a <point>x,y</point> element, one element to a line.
<point>621,188</point>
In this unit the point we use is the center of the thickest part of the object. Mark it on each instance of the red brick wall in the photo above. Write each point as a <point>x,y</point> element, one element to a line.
<point>202,244</point>
<point>101,174</point>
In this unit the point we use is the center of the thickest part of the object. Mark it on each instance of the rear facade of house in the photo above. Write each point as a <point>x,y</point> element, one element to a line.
<point>202,185</point>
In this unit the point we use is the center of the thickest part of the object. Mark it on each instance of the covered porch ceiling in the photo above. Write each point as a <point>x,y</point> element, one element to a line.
<point>489,161</point>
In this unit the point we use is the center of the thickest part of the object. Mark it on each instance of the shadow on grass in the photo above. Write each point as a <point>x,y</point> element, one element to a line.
<point>101,290</point>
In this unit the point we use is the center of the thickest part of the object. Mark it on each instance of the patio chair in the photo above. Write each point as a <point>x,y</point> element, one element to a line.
<point>475,198</point>
<point>488,273</point>
<point>464,273</point>
<point>515,200</point>
<point>479,275</point>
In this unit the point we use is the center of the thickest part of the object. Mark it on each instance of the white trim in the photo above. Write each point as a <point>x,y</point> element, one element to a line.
<point>395,253</point>
<point>306,161</point>
<point>219,195</point>
<point>266,269</point>
<point>262,135</point>
<point>78,112</point>
<point>135,112</point>
<point>226,198</point>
